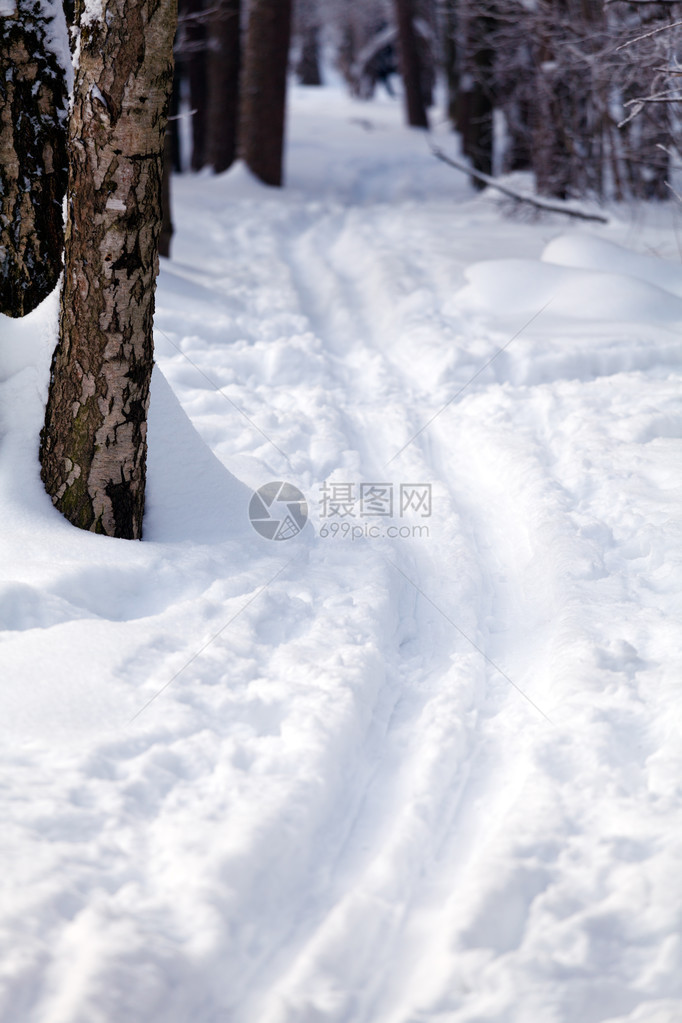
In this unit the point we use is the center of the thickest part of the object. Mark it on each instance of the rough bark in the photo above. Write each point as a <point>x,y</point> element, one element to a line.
<point>410,66</point>
<point>32,159</point>
<point>224,58</point>
<point>263,99</point>
<point>93,444</point>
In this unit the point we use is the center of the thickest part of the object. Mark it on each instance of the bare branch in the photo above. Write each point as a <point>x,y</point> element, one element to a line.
<point>541,204</point>
<point>648,35</point>
<point>643,3</point>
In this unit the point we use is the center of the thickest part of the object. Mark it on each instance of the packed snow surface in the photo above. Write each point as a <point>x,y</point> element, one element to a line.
<point>398,768</point>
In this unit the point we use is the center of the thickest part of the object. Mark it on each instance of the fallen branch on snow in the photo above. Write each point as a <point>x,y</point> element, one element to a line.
<point>541,204</point>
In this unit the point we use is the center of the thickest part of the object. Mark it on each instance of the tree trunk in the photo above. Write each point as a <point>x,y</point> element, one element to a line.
<point>166,209</point>
<point>173,126</point>
<point>224,58</point>
<point>476,96</point>
<point>451,58</point>
<point>410,66</point>
<point>93,443</point>
<point>308,69</point>
<point>568,124</point>
<point>264,88</point>
<point>195,62</point>
<point>425,33</point>
<point>518,111</point>
<point>32,158</point>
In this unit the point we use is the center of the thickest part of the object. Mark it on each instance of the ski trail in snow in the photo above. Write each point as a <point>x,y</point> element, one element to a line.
<point>434,820</point>
<point>406,810</point>
<point>505,506</point>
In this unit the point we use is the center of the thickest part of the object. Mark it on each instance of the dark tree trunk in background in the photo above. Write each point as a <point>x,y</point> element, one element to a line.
<point>551,153</point>
<point>647,143</point>
<point>450,58</point>
<point>410,65</point>
<point>33,165</point>
<point>308,68</point>
<point>567,123</point>
<point>476,94</point>
<point>264,81</point>
<point>425,31</point>
<point>173,125</point>
<point>194,61</point>
<point>307,19</point>
<point>518,156</point>
<point>224,57</point>
<point>93,443</point>
<point>655,152</point>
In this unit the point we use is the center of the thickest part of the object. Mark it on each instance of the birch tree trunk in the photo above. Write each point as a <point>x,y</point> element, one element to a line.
<point>32,156</point>
<point>93,443</point>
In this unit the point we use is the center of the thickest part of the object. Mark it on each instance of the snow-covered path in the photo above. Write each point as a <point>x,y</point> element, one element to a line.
<point>381,779</point>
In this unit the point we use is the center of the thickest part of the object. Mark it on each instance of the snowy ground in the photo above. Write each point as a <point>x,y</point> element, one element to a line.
<point>342,778</point>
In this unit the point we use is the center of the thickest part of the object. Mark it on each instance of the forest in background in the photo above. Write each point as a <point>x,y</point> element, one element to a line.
<point>580,92</point>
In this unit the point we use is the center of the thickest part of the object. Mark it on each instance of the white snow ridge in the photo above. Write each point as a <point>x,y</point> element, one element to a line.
<point>355,777</point>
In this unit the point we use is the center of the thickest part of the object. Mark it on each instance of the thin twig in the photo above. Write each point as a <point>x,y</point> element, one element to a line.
<point>664,97</point>
<point>647,35</point>
<point>642,3</point>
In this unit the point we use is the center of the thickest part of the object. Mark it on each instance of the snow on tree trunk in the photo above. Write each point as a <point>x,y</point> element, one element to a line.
<point>32,154</point>
<point>93,449</point>
<point>263,99</point>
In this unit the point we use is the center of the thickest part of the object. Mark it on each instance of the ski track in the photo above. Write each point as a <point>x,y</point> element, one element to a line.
<point>420,700</point>
<point>334,305</point>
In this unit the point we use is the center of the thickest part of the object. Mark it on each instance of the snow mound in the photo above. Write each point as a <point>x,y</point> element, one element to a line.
<point>589,253</point>
<point>520,285</point>
<point>190,493</point>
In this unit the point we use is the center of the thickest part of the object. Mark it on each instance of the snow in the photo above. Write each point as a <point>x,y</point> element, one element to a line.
<point>57,38</point>
<point>359,780</point>
<point>93,11</point>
